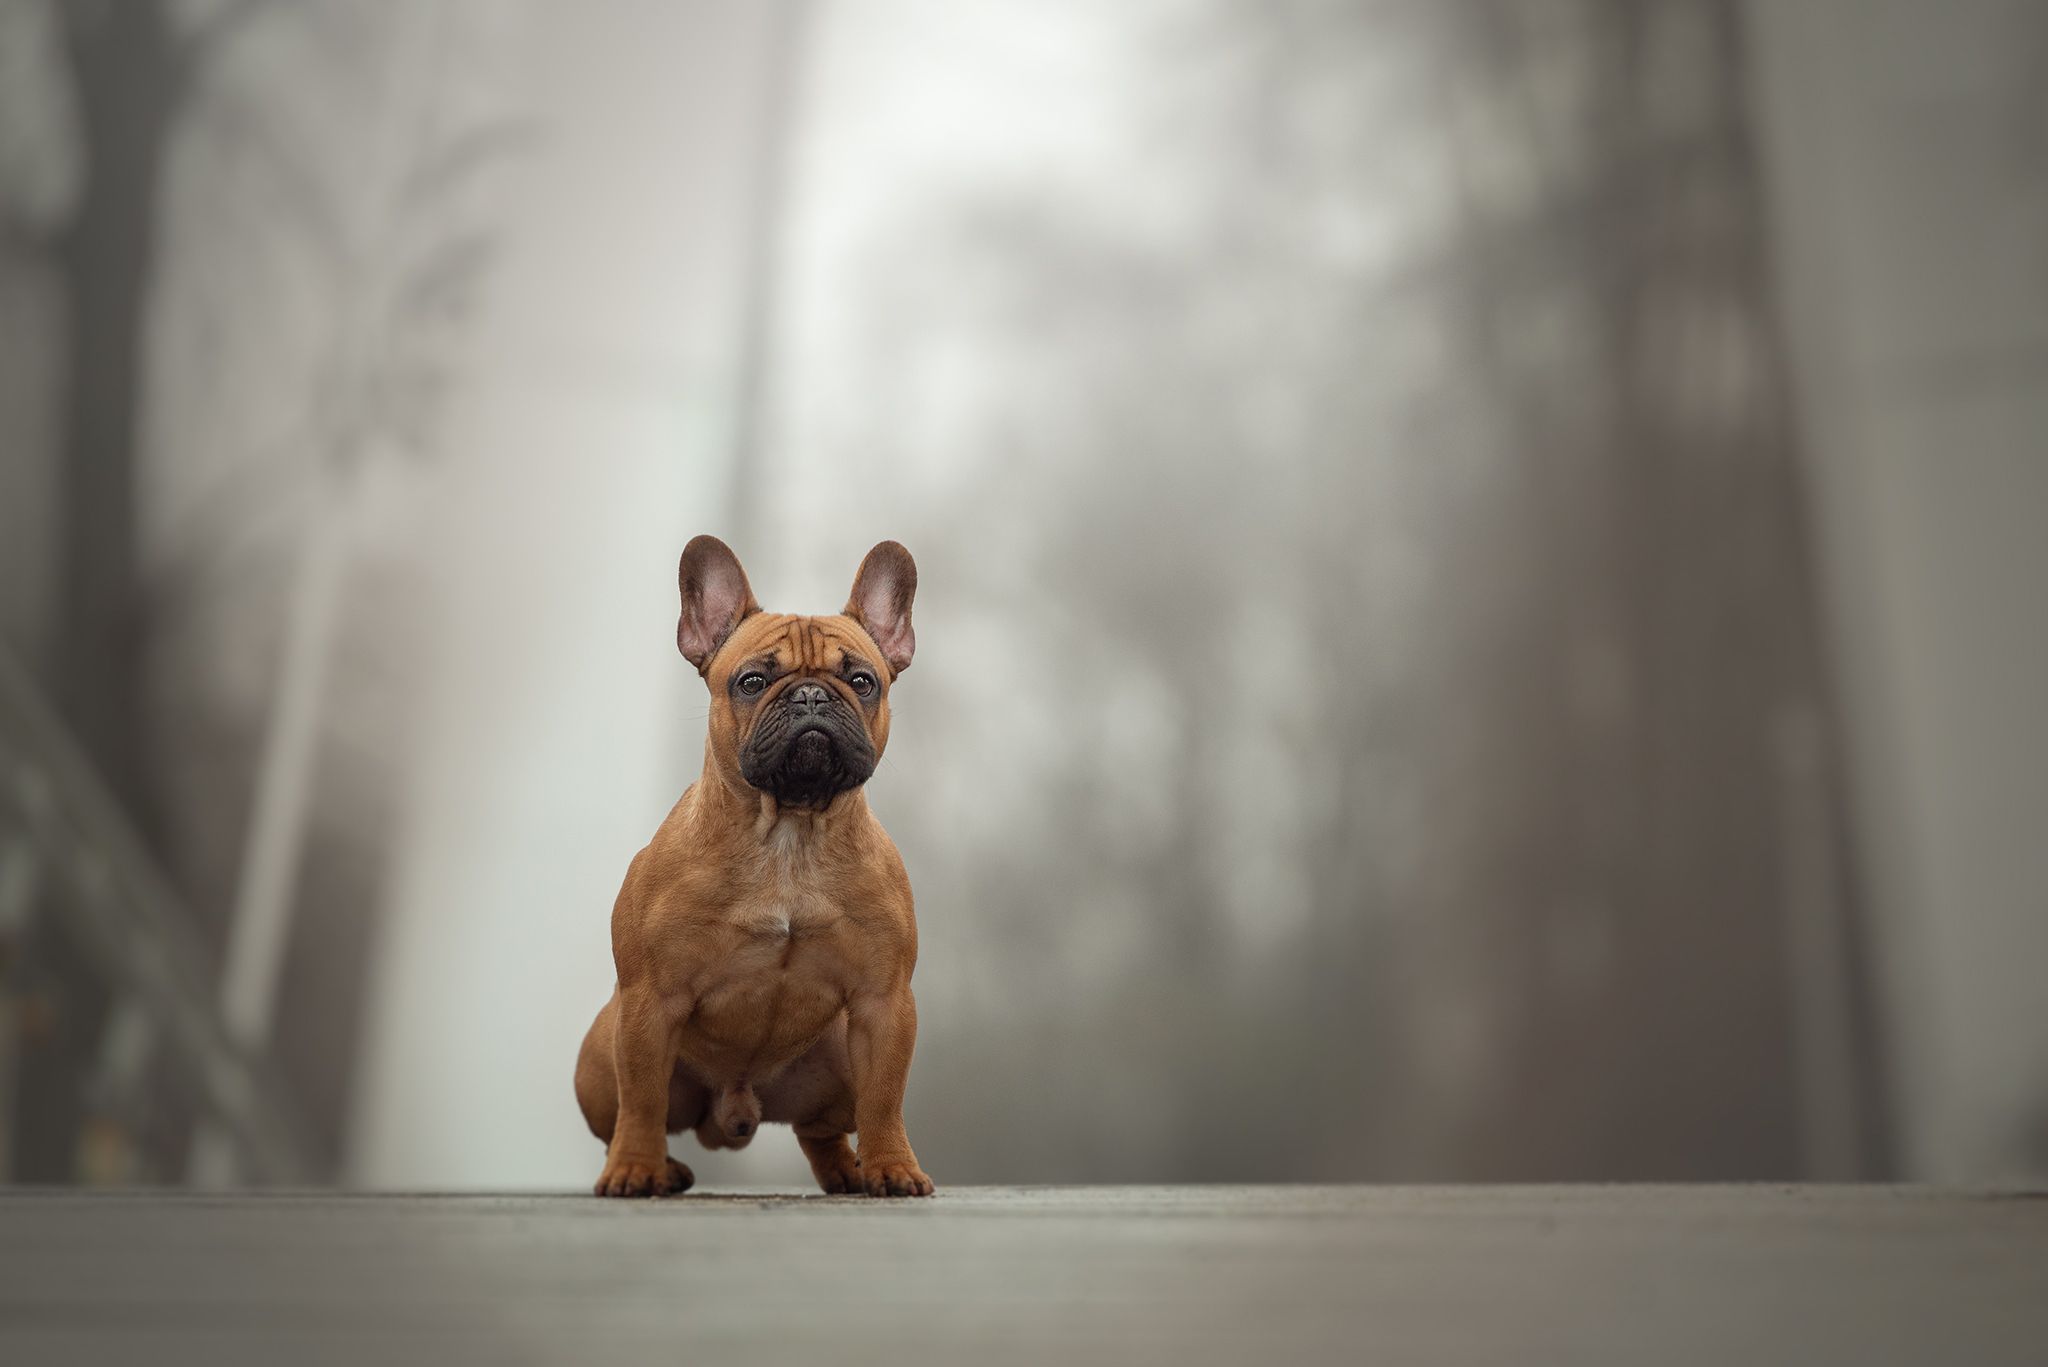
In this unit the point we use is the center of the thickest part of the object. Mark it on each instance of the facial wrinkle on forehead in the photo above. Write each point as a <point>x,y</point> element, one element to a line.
<point>837,637</point>
<point>809,642</point>
<point>814,643</point>
<point>777,639</point>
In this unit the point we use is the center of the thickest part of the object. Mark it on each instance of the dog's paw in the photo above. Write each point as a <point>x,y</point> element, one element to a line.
<point>895,1177</point>
<point>634,1177</point>
<point>840,1177</point>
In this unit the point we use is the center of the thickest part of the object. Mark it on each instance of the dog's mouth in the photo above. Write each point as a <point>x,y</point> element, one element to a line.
<point>810,755</point>
<point>806,761</point>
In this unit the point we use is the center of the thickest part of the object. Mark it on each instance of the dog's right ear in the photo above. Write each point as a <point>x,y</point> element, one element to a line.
<point>716,599</point>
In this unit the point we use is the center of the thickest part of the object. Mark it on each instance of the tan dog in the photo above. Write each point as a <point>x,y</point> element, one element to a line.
<point>764,938</point>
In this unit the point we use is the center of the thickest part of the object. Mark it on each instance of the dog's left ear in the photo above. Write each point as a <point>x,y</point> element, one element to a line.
<point>881,602</point>
<point>716,598</point>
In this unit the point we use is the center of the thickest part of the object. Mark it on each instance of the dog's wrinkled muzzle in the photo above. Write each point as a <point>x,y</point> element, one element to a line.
<point>805,752</point>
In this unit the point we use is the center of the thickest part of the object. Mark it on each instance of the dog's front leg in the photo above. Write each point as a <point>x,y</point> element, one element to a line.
<point>643,1055</point>
<point>881,1035</point>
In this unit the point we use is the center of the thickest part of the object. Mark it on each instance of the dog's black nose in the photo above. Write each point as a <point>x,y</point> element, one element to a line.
<point>809,697</point>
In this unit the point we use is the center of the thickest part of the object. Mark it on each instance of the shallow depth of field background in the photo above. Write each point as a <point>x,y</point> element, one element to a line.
<point>1481,568</point>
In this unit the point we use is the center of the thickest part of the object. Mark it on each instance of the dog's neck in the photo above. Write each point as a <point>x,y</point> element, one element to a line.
<point>792,832</point>
<point>797,830</point>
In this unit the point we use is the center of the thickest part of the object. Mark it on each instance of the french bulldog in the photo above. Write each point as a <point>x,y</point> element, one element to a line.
<point>764,939</point>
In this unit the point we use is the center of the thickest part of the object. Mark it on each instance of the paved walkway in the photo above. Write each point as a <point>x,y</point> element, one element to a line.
<point>982,1276</point>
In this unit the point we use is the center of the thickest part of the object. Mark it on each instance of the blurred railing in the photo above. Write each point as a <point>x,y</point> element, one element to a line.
<point>68,851</point>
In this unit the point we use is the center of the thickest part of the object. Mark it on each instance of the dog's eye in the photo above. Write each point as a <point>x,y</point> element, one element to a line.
<point>752,682</point>
<point>863,683</point>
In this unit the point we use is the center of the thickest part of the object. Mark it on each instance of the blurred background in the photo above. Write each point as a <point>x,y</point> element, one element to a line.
<point>1524,520</point>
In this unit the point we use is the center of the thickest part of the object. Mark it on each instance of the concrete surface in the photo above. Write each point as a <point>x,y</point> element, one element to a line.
<point>996,1275</point>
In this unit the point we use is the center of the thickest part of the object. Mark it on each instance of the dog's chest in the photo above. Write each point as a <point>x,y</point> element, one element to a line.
<point>780,979</point>
<point>783,915</point>
<point>785,902</point>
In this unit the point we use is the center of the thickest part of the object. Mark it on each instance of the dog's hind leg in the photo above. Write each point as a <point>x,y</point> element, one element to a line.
<point>597,1086</point>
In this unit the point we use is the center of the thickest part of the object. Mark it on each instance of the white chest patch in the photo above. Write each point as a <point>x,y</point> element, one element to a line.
<point>788,840</point>
<point>786,913</point>
<point>785,907</point>
<point>768,919</point>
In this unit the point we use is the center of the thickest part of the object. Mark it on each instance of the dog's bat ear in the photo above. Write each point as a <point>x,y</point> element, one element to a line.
<point>881,602</point>
<point>716,599</point>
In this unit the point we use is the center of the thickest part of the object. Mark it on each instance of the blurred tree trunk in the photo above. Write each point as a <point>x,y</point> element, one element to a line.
<point>126,66</point>
<point>131,66</point>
